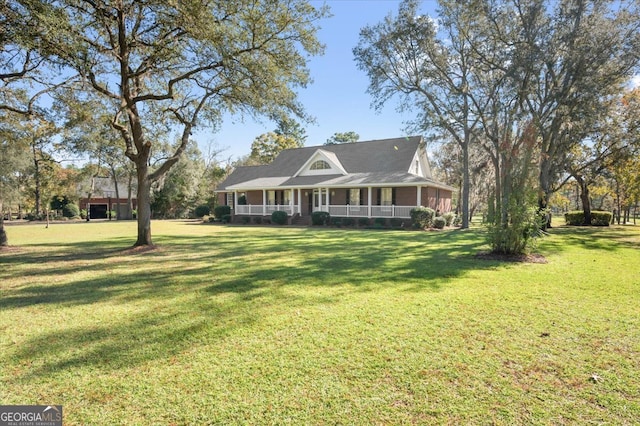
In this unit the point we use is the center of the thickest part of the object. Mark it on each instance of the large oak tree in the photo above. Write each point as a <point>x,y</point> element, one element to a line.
<point>180,63</point>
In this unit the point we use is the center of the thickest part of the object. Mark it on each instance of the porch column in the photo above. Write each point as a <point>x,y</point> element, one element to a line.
<point>328,198</point>
<point>300,201</point>
<point>418,196</point>
<point>369,201</point>
<point>264,202</point>
<point>235,202</point>
<point>291,201</point>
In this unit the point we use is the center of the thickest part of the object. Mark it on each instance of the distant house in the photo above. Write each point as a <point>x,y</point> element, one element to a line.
<point>103,200</point>
<point>379,178</point>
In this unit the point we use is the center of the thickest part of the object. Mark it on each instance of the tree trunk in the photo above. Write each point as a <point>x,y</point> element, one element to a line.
<point>144,205</point>
<point>114,176</point>
<point>586,202</point>
<point>545,189</point>
<point>466,182</point>
<point>4,241</point>
<point>36,176</point>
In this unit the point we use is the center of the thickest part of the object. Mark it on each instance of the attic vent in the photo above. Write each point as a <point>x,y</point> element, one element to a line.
<point>320,165</point>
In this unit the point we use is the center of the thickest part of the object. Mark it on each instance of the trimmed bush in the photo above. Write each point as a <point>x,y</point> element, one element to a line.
<point>380,222</point>
<point>246,219</point>
<point>363,221</point>
<point>202,210</point>
<point>396,222</point>
<point>348,221</point>
<point>226,218</point>
<point>449,217</point>
<point>257,220</point>
<point>279,217</point>
<point>598,218</point>
<point>320,218</point>
<point>70,210</point>
<point>422,217</point>
<point>574,217</point>
<point>220,211</point>
<point>439,222</point>
<point>336,221</point>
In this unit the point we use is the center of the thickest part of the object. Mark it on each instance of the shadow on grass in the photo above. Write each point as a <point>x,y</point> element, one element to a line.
<point>604,238</point>
<point>213,284</point>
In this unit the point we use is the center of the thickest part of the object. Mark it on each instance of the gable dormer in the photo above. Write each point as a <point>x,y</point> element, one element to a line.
<point>321,163</point>
<point>420,163</point>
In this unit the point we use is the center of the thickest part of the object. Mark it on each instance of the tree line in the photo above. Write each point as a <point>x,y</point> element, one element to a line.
<point>528,93</point>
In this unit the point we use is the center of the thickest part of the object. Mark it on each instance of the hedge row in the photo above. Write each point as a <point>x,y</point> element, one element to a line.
<point>598,218</point>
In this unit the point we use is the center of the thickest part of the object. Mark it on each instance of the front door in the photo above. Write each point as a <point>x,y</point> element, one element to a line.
<point>320,200</point>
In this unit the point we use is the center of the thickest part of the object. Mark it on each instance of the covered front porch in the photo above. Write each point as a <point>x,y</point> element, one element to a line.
<point>370,202</point>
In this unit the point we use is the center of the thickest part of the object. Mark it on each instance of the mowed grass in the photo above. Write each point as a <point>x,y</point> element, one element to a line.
<point>276,325</point>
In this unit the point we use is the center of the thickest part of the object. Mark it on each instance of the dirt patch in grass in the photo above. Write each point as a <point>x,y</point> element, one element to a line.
<point>9,249</point>
<point>140,249</point>
<point>520,258</point>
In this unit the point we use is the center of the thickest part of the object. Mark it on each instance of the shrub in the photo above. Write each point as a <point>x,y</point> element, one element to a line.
<point>363,221</point>
<point>112,214</point>
<point>524,226</point>
<point>348,221</point>
<point>220,211</point>
<point>279,217</point>
<point>336,221</point>
<point>257,220</point>
<point>202,210</point>
<point>70,210</point>
<point>320,218</point>
<point>439,222</point>
<point>246,219</point>
<point>83,213</point>
<point>380,222</point>
<point>422,217</point>
<point>396,222</point>
<point>599,218</point>
<point>226,218</point>
<point>449,217</point>
<point>574,217</point>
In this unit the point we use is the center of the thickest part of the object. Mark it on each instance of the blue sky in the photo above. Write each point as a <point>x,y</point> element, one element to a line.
<point>337,97</point>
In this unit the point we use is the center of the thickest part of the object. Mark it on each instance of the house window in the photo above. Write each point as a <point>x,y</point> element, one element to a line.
<point>320,165</point>
<point>354,197</point>
<point>271,198</point>
<point>286,198</point>
<point>386,196</point>
<point>230,199</point>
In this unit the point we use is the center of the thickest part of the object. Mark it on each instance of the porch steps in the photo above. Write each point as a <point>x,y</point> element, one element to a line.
<point>298,220</point>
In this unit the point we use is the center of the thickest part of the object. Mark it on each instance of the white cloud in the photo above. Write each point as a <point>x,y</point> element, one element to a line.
<point>635,81</point>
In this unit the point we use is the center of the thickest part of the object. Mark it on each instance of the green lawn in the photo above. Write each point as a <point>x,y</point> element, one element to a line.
<point>270,325</point>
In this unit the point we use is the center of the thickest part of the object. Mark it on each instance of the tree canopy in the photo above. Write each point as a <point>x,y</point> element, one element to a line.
<point>179,63</point>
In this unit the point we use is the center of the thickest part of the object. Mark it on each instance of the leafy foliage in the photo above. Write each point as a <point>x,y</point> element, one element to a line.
<point>598,218</point>
<point>202,210</point>
<point>219,211</point>
<point>279,217</point>
<point>439,222</point>
<point>320,218</point>
<point>72,210</point>
<point>266,147</point>
<point>346,137</point>
<point>422,217</point>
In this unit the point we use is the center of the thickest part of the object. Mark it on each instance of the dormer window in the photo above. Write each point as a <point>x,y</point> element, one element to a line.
<point>320,165</point>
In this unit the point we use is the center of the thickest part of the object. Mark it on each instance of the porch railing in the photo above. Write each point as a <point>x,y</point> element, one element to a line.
<point>334,210</point>
<point>260,210</point>
<point>376,211</point>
